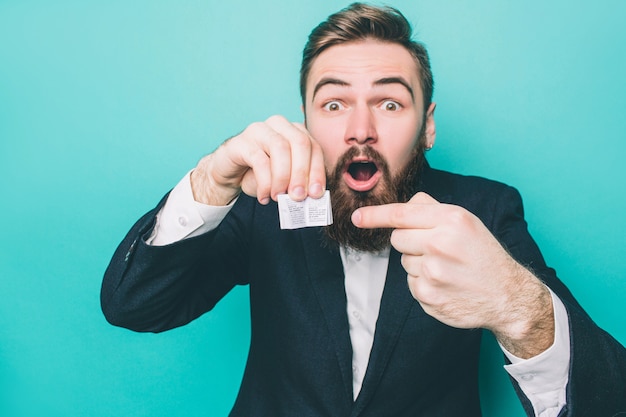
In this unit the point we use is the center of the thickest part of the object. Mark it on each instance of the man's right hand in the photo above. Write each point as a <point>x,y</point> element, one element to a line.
<point>266,159</point>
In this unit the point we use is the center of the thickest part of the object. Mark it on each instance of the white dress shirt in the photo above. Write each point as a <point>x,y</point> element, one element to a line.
<point>542,378</point>
<point>365,274</point>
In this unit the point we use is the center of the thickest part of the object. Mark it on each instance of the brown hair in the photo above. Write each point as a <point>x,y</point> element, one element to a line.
<point>361,21</point>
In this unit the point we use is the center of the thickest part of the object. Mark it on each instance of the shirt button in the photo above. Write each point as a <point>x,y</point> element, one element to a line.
<point>356,314</point>
<point>527,377</point>
<point>182,220</point>
<point>357,258</point>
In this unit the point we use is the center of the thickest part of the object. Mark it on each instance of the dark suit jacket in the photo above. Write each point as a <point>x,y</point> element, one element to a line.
<point>299,362</point>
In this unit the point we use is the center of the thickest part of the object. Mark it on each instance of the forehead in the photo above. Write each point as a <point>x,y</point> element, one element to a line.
<point>363,62</point>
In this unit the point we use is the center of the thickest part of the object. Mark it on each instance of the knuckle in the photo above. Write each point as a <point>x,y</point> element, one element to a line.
<point>398,214</point>
<point>401,240</point>
<point>411,284</point>
<point>418,197</point>
<point>405,262</point>
<point>301,140</point>
<point>255,133</point>
<point>457,216</point>
<point>440,244</point>
<point>254,129</point>
<point>421,291</point>
<point>431,295</point>
<point>396,238</point>
<point>410,264</point>
<point>276,118</point>
<point>432,269</point>
<point>258,158</point>
<point>279,144</point>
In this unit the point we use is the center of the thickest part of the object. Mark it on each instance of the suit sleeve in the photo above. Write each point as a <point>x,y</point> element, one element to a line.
<point>597,377</point>
<point>156,288</point>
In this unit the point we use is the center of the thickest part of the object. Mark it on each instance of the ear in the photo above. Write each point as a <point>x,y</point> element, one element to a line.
<point>430,130</point>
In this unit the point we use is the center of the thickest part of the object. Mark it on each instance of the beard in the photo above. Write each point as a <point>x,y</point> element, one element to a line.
<point>397,189</point>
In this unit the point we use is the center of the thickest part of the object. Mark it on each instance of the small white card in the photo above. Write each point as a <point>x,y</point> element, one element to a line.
<point>307,213</point>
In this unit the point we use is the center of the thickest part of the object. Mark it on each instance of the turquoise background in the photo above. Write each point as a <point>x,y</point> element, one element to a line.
<point>105,105</point>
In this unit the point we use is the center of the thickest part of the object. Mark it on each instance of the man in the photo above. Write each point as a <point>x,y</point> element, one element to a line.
<point>335,330</point>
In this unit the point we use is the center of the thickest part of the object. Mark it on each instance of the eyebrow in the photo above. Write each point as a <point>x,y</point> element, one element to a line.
<point>396,80</point>
<point>383,81</point>
<point>329,81</point>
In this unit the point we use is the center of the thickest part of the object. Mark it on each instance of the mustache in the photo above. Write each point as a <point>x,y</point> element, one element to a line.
<point>361,151</point>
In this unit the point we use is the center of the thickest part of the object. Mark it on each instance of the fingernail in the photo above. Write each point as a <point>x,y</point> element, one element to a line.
<point>264,201</point>
<point>315,190</point>
<point>298,193</point>
<point>356,217</point>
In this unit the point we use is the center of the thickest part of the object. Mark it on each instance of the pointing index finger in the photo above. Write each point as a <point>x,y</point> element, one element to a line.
<point>395,216</point>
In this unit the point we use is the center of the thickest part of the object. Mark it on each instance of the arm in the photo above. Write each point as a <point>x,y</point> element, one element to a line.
<point>597,362</point>
<point>464,277</point>
<point>154,288</point>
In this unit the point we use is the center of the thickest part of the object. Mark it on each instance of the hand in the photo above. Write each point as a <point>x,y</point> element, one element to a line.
<point>266,159</point>
<point>461,274</point>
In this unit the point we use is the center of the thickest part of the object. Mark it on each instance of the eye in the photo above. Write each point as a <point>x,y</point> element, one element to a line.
<point>333,106</point>
<point>390,105</point>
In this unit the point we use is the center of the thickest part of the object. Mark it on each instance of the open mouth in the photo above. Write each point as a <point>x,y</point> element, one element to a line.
<point>362,170</point>
<point>361,175</point>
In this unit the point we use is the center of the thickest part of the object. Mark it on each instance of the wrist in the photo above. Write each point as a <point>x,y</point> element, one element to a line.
<point>528,326</point>
<point>206,190</point>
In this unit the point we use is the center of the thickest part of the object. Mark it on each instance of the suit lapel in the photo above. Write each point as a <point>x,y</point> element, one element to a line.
<point>395,305</point>
<point>327,279</point>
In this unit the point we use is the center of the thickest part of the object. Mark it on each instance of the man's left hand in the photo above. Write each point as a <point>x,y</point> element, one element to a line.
<point>461,274</point>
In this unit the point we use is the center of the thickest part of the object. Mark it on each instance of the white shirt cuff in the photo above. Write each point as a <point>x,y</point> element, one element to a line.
<point>543,378</point>
<point>183,217</point>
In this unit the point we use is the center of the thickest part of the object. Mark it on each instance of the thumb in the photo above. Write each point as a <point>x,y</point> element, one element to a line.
<point>422,198</point>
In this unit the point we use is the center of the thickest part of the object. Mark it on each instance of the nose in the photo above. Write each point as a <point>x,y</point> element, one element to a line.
<point>361,126</point>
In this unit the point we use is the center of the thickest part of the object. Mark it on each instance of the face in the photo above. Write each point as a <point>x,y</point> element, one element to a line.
<point>367,94</point>
<point>364,105</point>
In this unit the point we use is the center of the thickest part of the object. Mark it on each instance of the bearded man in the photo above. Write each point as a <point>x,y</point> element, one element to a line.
<point>335,330</point>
